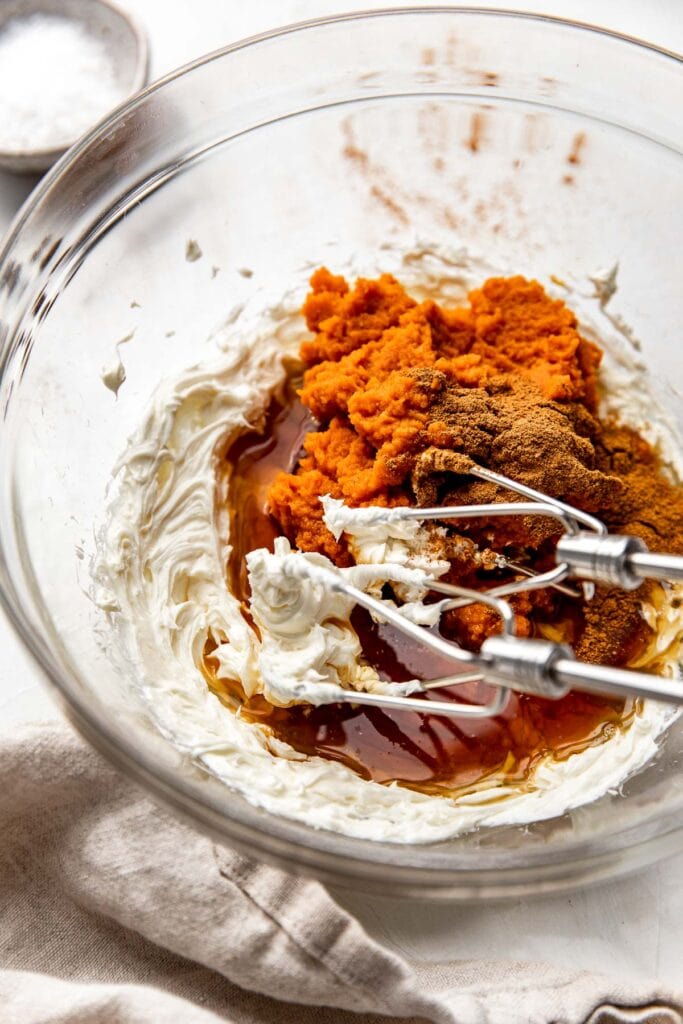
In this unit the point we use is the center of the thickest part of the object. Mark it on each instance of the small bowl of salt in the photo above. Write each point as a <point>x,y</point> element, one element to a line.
<point>64,64</point>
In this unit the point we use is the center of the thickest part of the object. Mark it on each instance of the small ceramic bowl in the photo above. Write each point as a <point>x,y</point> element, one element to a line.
<point>124,40</point>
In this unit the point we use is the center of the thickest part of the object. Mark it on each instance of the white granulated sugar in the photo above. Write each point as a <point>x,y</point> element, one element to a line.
<point>56,80</point>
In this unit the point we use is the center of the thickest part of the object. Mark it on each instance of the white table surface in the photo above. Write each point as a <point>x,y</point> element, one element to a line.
<point>635,926</point>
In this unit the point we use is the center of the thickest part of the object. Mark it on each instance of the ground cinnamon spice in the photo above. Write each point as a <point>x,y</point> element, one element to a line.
<point>406,392</point>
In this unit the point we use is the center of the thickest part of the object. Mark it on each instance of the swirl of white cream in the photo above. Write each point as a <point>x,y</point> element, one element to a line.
<point>308,648</point>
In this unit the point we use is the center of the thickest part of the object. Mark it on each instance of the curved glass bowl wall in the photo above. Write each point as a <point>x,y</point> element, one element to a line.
<point>303,147</point>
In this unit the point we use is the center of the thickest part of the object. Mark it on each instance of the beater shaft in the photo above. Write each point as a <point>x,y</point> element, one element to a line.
<point>550,670</point>
<point>652,566</point>
<point>619,682</point>
<point>620,561</point>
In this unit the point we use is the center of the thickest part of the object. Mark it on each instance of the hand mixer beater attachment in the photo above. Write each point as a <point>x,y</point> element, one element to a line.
<point>585,552</point>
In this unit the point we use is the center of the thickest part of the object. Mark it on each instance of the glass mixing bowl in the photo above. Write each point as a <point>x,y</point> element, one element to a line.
<point>548,147</point>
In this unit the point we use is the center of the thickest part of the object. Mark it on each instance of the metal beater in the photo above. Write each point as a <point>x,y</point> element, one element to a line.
<point>585,552</point>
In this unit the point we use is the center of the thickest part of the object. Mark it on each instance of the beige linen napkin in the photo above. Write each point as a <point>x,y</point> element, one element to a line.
<point>113,912</point>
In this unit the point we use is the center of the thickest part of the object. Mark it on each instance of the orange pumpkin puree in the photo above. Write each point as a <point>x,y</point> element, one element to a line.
<point>359,382</point>
<point>401,389</point>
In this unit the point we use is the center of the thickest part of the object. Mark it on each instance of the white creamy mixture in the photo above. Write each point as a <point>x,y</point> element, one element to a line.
<point>309,648</point>
<point>160,577</point>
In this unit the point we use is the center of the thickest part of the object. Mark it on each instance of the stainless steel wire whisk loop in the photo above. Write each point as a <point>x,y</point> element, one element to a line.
<point>585,552</point>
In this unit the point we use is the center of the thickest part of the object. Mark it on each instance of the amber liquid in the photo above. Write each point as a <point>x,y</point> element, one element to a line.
<point>423,751</point>
<point>255,460</point>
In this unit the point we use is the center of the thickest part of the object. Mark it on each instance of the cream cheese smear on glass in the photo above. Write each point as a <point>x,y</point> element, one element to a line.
<point>159,575</point>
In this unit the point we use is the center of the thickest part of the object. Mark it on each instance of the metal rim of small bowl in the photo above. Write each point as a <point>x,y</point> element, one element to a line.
<point>38,160</point>
<point>284,842</point>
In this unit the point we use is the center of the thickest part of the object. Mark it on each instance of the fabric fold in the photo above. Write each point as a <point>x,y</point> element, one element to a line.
<point>114,911</point>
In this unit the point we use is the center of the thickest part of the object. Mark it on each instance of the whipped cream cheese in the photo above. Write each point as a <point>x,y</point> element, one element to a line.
<point>378,535</point>
<point>309,649</point>
<point>113,373</point>
<point>159,577</point>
